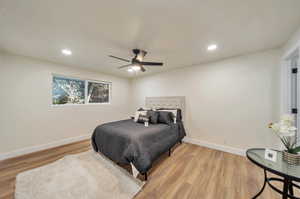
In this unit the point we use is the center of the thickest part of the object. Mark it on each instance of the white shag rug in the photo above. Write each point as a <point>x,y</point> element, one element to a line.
<point>86,175</point>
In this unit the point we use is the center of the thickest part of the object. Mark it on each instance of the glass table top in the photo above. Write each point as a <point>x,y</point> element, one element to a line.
<point>280,166</point>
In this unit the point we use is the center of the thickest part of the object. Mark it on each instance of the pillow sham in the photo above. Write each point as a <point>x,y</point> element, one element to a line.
<point>176,112</point>
<point>144,109</point>
<point>143,119</point>
<point>138,113</point>
<point>153,116</point>
<point>165,117</point>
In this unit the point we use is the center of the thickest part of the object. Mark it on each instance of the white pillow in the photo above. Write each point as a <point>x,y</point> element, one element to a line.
<point>174,111</point>
<point>138,113</point>
<point>146,109</point>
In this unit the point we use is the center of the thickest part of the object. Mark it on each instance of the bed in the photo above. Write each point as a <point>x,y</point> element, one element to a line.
<point>129,142</point>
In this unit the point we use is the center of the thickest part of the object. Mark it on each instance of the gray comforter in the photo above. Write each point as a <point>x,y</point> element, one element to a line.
<point>127,142</point>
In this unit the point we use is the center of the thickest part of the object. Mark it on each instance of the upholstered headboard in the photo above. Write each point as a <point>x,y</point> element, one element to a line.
<point>167,102</point>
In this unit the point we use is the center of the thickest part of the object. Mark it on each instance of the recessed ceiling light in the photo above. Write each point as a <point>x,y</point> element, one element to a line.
<point>212,47</point>
<point>66,52</point>
<point>130,70</point>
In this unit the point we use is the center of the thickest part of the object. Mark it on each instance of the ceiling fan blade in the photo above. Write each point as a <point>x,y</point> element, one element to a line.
<point>119,58</point>
<point>143,69</point>
<point>151,63</point>
<point>124,66</point>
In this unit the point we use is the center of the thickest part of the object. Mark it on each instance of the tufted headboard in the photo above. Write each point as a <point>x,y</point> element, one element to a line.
<point>167,102</point>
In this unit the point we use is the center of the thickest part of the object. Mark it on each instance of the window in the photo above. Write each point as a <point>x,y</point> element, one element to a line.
<point>98,92</point>
<point>67,90</point>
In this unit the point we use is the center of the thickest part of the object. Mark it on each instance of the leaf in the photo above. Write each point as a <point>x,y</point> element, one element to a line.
<point>291,151</point>
<point>284,143</point>
<point>296,149</point>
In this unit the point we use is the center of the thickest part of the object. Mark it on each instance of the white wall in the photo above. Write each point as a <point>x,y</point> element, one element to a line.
<point>27,118</point>
<point>293,42</point>
<point>228,103</point>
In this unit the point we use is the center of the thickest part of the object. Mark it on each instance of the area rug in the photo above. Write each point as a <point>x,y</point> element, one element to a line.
<point>86,175</point>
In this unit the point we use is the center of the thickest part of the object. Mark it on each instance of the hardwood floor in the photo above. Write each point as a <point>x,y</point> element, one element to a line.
<point>11,167</point>
<point>190,172</point>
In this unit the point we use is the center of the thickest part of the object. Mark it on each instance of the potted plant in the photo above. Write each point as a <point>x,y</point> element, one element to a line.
<point>286,131</point>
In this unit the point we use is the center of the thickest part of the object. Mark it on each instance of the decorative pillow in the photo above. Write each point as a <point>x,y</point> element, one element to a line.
<point>143,119</point>
<point>138,113</point>
<point>153,115</point>
<point>175,115</point>
<point>165,117</point>
<point>144,109</point>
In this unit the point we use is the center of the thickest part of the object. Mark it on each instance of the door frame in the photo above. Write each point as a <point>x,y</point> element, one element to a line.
<point>286,79</point>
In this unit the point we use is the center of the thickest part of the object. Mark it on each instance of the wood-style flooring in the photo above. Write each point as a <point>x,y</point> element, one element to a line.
<point>190,172</point>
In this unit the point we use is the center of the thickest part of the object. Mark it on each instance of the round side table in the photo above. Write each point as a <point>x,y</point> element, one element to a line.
<point>289,173</point>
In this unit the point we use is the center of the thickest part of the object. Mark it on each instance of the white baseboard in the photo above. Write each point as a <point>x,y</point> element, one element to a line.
<point>83,137</point>
<point>228,149</point>
<point>28,150</point>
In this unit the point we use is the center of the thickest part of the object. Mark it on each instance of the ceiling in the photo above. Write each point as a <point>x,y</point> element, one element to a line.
<point>176,32</point>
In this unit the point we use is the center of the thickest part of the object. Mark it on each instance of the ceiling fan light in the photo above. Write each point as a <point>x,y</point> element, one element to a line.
<point>135,67</point>
<point>130,70</point>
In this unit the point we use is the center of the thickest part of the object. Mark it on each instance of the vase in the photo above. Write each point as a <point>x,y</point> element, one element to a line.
<point>290,158</point>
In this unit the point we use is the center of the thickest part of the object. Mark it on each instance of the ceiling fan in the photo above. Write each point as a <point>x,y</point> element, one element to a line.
<point>137,63</point>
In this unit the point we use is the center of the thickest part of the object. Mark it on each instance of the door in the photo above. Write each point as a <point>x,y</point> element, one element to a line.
<point>294,90</point>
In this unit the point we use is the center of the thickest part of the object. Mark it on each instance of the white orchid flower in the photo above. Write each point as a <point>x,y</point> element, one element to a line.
<point>287,117</point>
<point>275,127</point>
<point>288,134</point>
<point>287,120</point>
<point>285,130</point>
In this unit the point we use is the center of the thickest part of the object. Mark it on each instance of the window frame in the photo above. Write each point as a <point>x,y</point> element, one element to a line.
<point>100,82</point>
<point>86,81</point>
